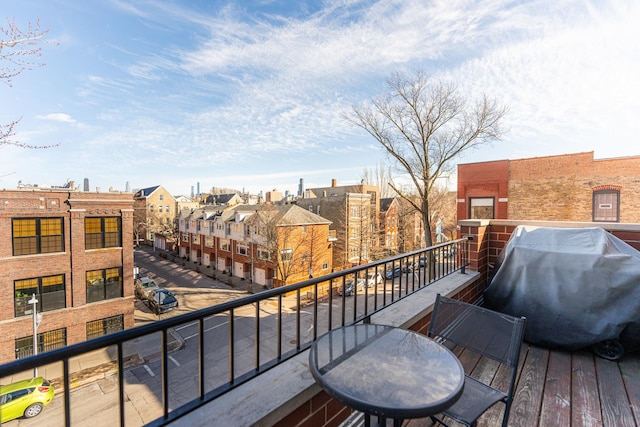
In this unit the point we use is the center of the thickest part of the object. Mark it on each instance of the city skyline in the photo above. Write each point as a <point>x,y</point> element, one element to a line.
<point>251,96</point>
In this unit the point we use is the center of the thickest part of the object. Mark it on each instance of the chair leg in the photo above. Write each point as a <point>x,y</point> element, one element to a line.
<point>438,421</point>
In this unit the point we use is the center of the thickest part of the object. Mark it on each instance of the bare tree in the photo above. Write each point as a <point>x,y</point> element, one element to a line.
<point>296,254</point>
<point>379,176</point>
<point>424,125</point>
<point>19,51</point>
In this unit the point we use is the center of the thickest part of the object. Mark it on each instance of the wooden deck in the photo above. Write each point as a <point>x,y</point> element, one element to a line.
<point>557,388</point>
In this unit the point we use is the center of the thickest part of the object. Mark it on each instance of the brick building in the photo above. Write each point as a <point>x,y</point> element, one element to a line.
<point>354,212</point>
<point>570,187</point>
<point>74,251</point>
<point>155,211</point>
<point>267,244</point>
<point>389,224</point>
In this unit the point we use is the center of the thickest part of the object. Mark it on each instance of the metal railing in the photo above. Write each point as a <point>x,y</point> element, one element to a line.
<point>241,339</point>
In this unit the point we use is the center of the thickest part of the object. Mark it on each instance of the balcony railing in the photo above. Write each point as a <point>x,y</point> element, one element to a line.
<point>241,339</point>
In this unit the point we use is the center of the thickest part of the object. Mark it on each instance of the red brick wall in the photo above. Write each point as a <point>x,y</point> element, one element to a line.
<point>560,188</point>
<point>74,262</point>
<point>486,179</point>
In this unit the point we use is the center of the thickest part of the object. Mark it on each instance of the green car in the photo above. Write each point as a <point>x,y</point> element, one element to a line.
<point>24,398</point>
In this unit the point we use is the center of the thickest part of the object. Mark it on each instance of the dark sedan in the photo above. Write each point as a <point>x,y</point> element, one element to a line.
<point>161,301</point>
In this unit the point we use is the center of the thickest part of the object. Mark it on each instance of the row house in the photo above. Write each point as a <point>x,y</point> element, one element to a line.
<point>267,244</point>
<point>73,250</point>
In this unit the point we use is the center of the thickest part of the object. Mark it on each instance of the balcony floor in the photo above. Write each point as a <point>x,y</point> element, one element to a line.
<point>556,388</point>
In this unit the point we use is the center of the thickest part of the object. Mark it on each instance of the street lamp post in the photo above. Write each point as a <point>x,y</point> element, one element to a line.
<point>36,321</point>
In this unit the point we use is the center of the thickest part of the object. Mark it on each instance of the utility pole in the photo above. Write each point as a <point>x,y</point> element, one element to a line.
<point>36,322</point>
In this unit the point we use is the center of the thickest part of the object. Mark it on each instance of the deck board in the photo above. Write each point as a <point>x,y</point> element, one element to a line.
<point>528,397</point>
<point>631,376</point>
<point>585,396</point>
<point>556,399</point>
<point>613,396</point>
<point>556,388</point>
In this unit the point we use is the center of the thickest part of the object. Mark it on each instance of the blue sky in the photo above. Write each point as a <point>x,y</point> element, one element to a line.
<point>250,94</point>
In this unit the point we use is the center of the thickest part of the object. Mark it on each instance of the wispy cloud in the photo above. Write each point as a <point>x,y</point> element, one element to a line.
<point>57,117</point>
<point>217,91</point>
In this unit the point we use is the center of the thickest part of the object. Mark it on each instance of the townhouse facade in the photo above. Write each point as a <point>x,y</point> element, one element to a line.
<point>570,187</point>
<point>270,245</point>
<point>73,251</point>
<point>155,211</point>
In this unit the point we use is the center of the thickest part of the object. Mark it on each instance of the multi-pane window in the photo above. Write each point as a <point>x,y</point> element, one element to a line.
<point>102,232</point>
<point>49,340</point>
<point>37,236</point>
<point>104,284</point>
<point>49,292</point>
<point>208,241</point>
<point>481,208</point>
<point>196,239</point>
<point>166,209</point>
<point>264,254</point>
<point>161,196</point>
<point>159,208</point>
<point>606,206</point>
<point>109,325</point>
<point>242,249</point>
<point>185,237</point>
<point>286,255</point>
<point>225,245</point>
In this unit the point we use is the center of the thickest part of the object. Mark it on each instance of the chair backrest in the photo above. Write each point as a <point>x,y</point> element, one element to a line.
<point>490,333</point>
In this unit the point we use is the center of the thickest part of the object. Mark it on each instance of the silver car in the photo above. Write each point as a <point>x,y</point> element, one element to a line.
<point>144,287</point>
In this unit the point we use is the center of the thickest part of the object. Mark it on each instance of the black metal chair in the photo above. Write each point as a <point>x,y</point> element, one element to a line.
<point>489,333</point>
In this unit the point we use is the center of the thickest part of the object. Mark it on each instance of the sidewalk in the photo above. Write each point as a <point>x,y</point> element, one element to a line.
<point>100,364</point>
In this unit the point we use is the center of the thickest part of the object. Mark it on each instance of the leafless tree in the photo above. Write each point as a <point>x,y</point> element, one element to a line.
<point>424,125</point>
<point>296,254</point>
<point>379,176</point>
<point>19,51</point>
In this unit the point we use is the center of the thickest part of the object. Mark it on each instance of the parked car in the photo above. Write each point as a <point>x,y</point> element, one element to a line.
<point>407,268</point>
<point>373,279</point>
<point>393,273</point>
<point>348,287</point>
<point>144,287</point>
<point>26,398</point>
<point>161,301</point>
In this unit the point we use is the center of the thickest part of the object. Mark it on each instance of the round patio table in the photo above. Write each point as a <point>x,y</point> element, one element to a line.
<point>386,371</point>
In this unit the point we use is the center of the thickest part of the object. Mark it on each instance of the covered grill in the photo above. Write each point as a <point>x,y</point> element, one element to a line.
<point>577,287</point>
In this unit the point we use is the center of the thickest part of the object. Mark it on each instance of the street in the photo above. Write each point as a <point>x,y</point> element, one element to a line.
<point>95,404</point>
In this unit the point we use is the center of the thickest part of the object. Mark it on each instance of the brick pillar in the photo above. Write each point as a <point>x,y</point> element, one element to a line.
<point>478,231</point>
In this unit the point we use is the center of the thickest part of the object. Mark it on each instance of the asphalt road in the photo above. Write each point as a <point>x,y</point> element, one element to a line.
<point>96,404</point>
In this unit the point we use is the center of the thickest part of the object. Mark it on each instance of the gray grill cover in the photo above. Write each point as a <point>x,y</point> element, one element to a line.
<point>577,287</point>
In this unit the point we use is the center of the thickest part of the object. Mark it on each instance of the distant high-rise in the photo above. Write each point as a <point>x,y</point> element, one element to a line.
<point>86,184</point>
<point>128,187</point>
<point>198,191</point>
<point>301,188</point>
<point>192,194</point>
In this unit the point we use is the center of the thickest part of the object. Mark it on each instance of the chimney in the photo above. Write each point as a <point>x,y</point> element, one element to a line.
<point>334,183</point>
